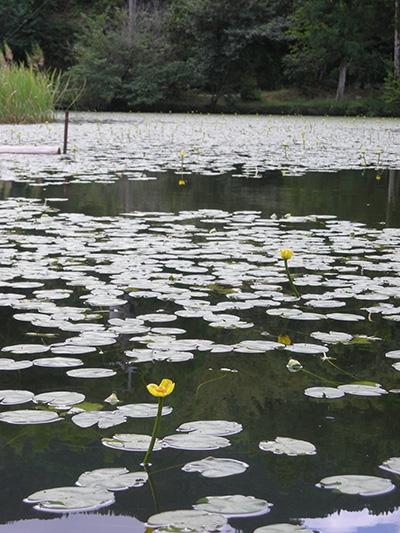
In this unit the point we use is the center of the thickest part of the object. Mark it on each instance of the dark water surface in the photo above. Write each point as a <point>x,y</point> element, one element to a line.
<point>353,435</point>
<point>350,195</point>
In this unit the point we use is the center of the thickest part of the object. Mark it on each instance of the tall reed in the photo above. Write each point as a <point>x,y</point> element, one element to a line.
<point>27,94</point>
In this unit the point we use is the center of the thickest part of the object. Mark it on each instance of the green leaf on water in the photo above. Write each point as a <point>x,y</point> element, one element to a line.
<point>89,406</point>
<point>220,289</point>
<point>369,383</point>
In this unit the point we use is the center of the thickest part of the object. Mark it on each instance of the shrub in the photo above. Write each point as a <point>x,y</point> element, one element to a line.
<point>26,94</point>
<point>391,94</point>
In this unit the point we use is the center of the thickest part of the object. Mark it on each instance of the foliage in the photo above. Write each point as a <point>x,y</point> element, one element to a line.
<point>118,66</point>
<point>232,51</point>
<point>228,41</point>
<point>327,35</point>
<point>26,93</point>
<point>391,94</point>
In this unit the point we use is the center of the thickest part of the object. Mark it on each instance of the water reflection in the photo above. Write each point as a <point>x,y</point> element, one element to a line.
<point>351,195</point>
<point>356,522</point>
<point>393,197</point>
<point>262,395</point>
<point>90,523</point>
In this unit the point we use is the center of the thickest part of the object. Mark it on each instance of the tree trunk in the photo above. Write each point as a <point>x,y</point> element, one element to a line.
<point>396,51</point>
<point>132,12</point>
<point>342,81</point>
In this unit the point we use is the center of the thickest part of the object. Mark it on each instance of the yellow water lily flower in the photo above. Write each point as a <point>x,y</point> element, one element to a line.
<point>286,254</point>
<point>284,339</point>
<point>165,388</point>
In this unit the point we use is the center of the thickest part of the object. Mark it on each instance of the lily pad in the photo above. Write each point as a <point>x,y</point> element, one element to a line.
<point>157,317</point>
<point>72,349</point>
<point>131,442</point>
<point>391,465</point>
<point>26,349</point>
<point>103,419</point>
<point>195,441</point>
<point>288,446</point>
<point>324,392</point>
<point>357,485</point>
<point>11,364</point>
<point>345,317</point>
<point>26,416</point>
<point>187,520</point>
<point>306,348</point>
<point>57,362</point>
<point>235,505</point>
<point>15,397</point>
<point>394,354</point>
<point>91,373</point>
<point>143,410</point>
<point>333,337</point>
<point>59,399</point>
<point>221,428</point>
<point>71,499</point>
<point>216,467</point>
<point>363,390</point>
<point>113,479</point>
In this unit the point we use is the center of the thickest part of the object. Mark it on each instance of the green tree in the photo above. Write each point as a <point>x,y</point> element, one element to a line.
<point>53,24</point>
<point>335,38</point>
<point>227,40</point>
<point>125,65</point>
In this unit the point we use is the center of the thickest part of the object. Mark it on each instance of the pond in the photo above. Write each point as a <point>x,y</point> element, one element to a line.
<point>151,251</point>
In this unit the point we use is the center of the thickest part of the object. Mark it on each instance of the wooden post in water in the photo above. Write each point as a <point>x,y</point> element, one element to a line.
<point>66,121</point>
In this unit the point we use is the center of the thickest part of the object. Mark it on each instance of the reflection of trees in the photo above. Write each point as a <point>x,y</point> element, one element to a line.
<point>5,189</point>
<point>393,197</point>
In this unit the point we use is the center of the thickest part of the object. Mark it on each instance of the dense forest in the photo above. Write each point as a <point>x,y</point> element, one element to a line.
<point>146,54</point>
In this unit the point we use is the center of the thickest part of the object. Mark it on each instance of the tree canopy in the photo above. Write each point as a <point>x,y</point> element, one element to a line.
<point>127,53</point>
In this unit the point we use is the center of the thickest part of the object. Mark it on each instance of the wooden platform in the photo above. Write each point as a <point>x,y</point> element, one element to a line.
<point>30,150</point>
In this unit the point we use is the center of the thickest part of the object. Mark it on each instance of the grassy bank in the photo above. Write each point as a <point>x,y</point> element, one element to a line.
<point>288,102</point>
<point>26,94</point>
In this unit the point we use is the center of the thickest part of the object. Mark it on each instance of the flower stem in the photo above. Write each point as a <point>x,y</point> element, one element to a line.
<point>341,370</point>
<point>317,376</point>
<point>152,489</point>
<point>155,432</point>
<point>289,275</point>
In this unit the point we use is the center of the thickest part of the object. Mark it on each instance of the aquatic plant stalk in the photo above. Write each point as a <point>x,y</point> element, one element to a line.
<point>291,282</point>
<point>155,432</point>
<point>165,388</point>
<point>341,369</point>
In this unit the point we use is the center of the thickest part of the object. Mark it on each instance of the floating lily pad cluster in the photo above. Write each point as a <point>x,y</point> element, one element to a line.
<point>213,145</point>
<point>208,267</point>
<point>200,435</point>
<point>126,259</point>
<point>94,490</point>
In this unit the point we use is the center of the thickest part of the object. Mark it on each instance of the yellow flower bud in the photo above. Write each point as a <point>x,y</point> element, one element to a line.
<point>165,388</point>
<point>294,365</point>
<point>285,339</point>
<point>286,254</point>
<point>112,399</point>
